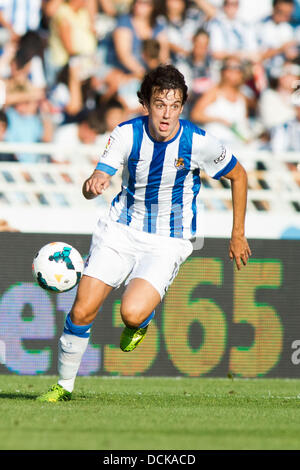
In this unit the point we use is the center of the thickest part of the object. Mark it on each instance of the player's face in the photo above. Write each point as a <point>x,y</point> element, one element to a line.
<point>164,110</point>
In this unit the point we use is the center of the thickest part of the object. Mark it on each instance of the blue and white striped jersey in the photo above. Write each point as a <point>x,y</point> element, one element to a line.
<point>161,180</point>
<point>23,15</point>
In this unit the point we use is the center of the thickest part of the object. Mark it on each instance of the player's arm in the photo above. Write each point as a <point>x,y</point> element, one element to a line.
<point>111,159</point>
<point>95,184</point>
<point>239,249</point>
<point>217,161</point>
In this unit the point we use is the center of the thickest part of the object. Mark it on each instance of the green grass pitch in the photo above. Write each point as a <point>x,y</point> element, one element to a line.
<point>151,414</point>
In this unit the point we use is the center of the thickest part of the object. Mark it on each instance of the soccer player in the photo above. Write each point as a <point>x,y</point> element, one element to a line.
<point>152,220</point>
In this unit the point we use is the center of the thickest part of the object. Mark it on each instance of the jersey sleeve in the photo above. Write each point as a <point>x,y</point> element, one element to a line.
<point>115,152</point>
<point>215,158</point>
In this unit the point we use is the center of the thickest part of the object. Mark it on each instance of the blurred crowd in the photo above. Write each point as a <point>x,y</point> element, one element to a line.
<point>70,69</point>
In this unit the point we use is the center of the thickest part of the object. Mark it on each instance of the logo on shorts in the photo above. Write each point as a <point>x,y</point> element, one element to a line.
<point>179,163</point>
<point>221,157</point>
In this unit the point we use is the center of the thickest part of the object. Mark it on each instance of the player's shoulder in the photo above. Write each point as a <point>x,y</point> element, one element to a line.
<point>134,122</point>
<point>201,140</point>
<point>132,128</point>
<point>189,129</point>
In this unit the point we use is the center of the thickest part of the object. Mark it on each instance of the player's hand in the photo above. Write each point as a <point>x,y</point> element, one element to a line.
<point>95,184</point>
<point>239,250</point>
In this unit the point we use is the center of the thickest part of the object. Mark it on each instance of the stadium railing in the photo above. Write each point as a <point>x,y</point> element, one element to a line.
<point>274,181</point>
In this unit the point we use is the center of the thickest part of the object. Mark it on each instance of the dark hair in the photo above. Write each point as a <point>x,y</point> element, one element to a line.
<point>275,2</point>
<point>94,121</point>
<point>164,77</point>
<point>164,10</point>
<point>199,31</point>
<point>3,117</point>
<point>154,14</point>
<point>151,48</point>
<point>113,103</point>
<point>31,44</point>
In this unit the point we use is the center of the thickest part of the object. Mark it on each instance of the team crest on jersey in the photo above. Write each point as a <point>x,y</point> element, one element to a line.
<point>179,163</point>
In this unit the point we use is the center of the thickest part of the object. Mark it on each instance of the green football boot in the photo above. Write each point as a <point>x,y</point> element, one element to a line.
<point>54,394</point>
<point>131,338</point>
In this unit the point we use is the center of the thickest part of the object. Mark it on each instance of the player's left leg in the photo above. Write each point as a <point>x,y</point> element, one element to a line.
<point>73,342</point>
<point>137,310</point>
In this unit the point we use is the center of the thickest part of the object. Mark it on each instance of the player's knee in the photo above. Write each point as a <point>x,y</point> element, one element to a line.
<point>131,315</point>
<point>80,315</point>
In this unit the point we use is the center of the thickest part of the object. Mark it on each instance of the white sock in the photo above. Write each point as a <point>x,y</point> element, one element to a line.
<point>71,350</point>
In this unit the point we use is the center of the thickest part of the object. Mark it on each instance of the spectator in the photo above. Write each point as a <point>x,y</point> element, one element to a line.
<point>73,94</point>
<point>296,13</point>
<point>19,16</point>
<point>110,81</point>
<point>50,7</point>
<point>75,134</point>
<point>66,95</point>
<point>276,36</point>
<point>8,51</point>
<point>71,33</point>
<point>230,35</point>
<point>6,227</point>
<point>286,137</point>
<point>129,34</point>
<point>17,85</point>
<point>114,7</point>
<point>151,53</point>
<point>104,14</point>
<point>196,67</point>
<point>127,91</point>
<point>182,22</point>
<point>275,104</point>
<point>223,109</point>
<point>30,54</point>
<point>27,125</point>
<point>114,112</point>
<point>4,157</point>
<point>255,10</point>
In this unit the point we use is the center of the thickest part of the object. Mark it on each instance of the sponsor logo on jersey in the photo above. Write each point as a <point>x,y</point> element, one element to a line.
<point>179,163</point>
<point>221,157</point>
<point>107,146</point>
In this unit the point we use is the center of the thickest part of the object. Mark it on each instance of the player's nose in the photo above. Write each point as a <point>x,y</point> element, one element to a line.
<point>166,112</point>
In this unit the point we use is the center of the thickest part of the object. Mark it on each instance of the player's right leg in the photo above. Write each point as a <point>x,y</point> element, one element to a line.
<point>137,310</point>
<point>157,265</point>
<point>90,296</point>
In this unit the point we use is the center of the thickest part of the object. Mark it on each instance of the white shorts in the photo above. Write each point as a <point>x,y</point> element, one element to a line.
<point>120,253</point>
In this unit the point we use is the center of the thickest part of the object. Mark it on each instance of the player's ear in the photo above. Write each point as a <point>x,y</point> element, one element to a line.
<point>146,106</point>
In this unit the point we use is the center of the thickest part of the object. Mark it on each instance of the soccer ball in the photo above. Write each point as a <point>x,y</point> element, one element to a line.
<point>57,267</point>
